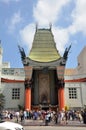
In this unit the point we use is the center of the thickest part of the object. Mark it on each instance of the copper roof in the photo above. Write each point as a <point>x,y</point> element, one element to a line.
<point>44,47</point>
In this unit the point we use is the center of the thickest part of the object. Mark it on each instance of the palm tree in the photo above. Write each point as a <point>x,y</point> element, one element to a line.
<point>2,101</point>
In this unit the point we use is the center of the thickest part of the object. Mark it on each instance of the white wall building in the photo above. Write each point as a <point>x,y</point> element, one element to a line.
<point>75,83</point>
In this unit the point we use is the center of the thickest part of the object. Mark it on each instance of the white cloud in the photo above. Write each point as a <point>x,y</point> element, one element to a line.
<point>47,11</point>
<point>27,35</point>
<point>15,19</point>
<point>7,1</point>
<point>61,37</point>
<point>79,17</point>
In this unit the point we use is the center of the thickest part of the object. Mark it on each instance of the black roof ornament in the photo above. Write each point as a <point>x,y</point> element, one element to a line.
<point>65,55</point>
<point>22,52</point>
<point>50,26</point>
<point>36,26</point>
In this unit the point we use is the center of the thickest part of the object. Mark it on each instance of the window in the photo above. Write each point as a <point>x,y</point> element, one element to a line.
<point>5,71</point>
<point>16,93</point>
<point>11,71</point>
<point>72,93</point>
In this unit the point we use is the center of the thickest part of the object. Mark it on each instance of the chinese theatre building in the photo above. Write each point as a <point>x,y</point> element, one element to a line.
<point>44,72</point>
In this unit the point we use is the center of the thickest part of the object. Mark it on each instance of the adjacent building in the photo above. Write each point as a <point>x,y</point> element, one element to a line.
<point>75,83</point>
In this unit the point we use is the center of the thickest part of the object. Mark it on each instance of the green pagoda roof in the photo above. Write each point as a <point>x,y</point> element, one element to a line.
<point>44,47</point>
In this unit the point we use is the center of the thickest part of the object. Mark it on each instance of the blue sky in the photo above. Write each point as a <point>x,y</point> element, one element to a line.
<point>18,19</point>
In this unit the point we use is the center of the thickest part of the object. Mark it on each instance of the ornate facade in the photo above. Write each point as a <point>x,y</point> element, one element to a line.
<point>44,72</point>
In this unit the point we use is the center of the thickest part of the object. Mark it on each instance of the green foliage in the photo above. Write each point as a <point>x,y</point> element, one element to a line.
<point>2,101</point>
<point>20,107</point>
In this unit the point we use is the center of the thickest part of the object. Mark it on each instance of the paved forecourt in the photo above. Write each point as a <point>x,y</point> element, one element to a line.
<point>40,125</point>
<point>53,128</point>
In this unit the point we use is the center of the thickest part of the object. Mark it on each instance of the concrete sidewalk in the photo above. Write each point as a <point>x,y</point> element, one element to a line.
<point>31,122</point>
<point>52,123</point>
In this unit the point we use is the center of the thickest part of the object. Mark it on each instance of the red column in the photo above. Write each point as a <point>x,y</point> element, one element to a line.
<point>61,98</point>
<point>28,98</point>
<point>28,76</point>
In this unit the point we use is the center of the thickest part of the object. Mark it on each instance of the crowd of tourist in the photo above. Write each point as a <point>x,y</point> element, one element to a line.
<point>59,117</point>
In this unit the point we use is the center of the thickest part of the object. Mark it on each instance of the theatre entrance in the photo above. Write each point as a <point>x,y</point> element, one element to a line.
<point>44,72</point>
<point>44,90</point>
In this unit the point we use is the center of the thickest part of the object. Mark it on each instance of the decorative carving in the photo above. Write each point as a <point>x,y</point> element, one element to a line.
<point>44,99</point>
<point>28,83</point>
<point>45,70</point>
<point>44,91</point>
<point>61,83</point>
